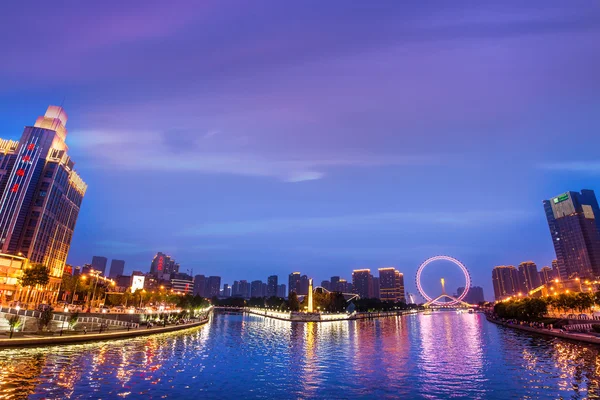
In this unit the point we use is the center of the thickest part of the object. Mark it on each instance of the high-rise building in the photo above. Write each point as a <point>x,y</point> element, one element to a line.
<point>243,289</point>
<point>400,285</point>
<point>391,285</point>
<point>235,289</point>
<point>213,284</point>
<point>294,282</point>
<point>163,265</point>
<point>200,286</point>
<point>116,268</point>
<point>344,286</point>
<point>303,287</point>
<point>326,285</point>
<point>362,282</point>
<point>99,264</point>
<point>256,289</point>
<point>281,290</point>
<point>555,268</point>
<point>528,276</point>
<point>335,280</point>
<point>573,219</point>
<point>226,291</point>
<point>272,286</point>
<point>474,295</point>
<point>40,196</point>
<point>376,294</point>
<point>547,275</point>
<point>506,281</point>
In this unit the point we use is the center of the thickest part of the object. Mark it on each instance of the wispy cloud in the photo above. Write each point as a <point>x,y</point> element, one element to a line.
<point>590,167</point>
<point>135,151</point>
<point>353,222</point>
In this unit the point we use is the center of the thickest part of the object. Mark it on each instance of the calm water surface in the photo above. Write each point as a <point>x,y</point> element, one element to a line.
<point>419,356</point>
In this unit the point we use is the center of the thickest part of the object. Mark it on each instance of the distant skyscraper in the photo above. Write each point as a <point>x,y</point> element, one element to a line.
<point>294,282</point>
<point>362,283</point>
<point>303,288</point>
<point>116,268</point>
<point>40,196</point>
<point>506,281</point>
<point>99,264</point>
<point>244,289</point>
<point>235,289</point>
<point>326,285</point>
<point>256,289</point>
<point>547,274</point>
<point>335,280</point>
<point>391,285</point>
<point>200,286</point>
<point>213,284</point>
<point>163,264</point>
<point>272,286</point>
<point>528,276</point>
<point>281,291</point>
<point>226,290</point>
<point>574,224</point>
<point>474,296</point>
<point>344,286</point>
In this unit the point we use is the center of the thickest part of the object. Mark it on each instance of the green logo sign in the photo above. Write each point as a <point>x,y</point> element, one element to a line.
<point>560,198</point>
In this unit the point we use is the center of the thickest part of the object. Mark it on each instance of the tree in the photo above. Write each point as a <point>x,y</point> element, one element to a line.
<point>293,302</point>
<point>34,275</point>
<point>45,318</point>
<point>73,320</point>
<point>14,322</point>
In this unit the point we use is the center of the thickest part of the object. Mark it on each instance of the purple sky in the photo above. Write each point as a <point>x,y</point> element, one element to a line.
<point>252,138</point>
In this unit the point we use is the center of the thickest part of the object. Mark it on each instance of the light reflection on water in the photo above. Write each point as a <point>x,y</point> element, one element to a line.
<point>420,356</point>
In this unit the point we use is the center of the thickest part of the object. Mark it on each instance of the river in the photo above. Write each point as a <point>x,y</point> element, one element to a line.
<point>233,356</point>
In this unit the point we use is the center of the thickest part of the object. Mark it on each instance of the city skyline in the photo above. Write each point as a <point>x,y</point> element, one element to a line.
<point>265,161</point>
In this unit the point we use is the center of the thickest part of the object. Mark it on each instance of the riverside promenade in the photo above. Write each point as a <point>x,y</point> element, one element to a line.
<point>35,341</point>
<point>577,336</point>
<point>322,317</point>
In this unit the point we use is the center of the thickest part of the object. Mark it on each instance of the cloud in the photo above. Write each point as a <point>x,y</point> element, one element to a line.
<point>590,167</point>
<point>181,151</point>
<point>389,220</point>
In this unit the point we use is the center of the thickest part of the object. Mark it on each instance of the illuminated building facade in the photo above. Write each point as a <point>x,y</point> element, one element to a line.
<point>506,281</point>
<point>391,285</point>
<point>547,274</point>
<point>529,276</point>
<point>362,283</point>
<point>40,196</point>
<point>182,283</point>
<point>163,266</point>
<point>573,219</point>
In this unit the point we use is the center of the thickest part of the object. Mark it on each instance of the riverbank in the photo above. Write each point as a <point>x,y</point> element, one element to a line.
<point>321,317</point>
<point>580,337</point>
<point>92,337</point>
